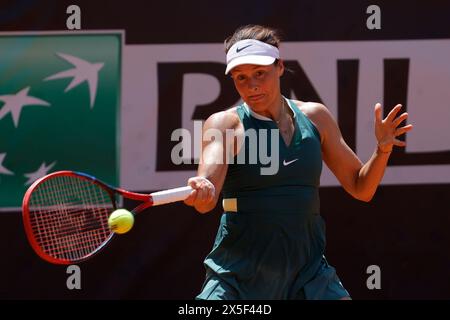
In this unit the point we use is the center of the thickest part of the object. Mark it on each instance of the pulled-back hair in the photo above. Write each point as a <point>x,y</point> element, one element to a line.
<point>256,32</point>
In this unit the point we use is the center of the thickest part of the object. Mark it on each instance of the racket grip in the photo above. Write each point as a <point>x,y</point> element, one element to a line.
<point>171,195</point>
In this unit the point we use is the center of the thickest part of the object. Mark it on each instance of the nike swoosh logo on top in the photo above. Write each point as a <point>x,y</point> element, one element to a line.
<point>289,162</point>
<point>240,49</point>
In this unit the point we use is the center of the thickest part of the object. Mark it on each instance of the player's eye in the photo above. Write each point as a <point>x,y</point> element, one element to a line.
<point>259,73</point>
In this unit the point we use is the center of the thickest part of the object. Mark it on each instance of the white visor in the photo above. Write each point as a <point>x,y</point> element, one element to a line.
<point>251,51</point>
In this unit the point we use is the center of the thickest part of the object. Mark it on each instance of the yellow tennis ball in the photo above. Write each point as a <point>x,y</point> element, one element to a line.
<point>121,221</point>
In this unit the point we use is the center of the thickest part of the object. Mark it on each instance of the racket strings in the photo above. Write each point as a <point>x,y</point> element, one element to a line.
<point>69,217</point>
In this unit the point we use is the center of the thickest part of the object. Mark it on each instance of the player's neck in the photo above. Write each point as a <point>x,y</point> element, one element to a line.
<point>275,110</point>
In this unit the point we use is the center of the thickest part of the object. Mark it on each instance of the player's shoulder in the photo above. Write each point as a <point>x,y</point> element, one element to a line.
<point>222,120</point>
<point>318,114</point>
<point>312,108</point>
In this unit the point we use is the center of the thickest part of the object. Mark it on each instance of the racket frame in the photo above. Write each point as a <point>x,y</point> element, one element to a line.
<point>146,198</point>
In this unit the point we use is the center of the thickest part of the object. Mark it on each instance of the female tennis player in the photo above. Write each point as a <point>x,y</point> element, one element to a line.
<point>271,239</point>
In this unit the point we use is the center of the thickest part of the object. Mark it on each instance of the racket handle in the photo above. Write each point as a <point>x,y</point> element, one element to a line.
<point>171,195</point>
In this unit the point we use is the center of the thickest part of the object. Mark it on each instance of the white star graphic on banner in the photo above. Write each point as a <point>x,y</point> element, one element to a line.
<point>3,170</point>
<point>83,71</point>
<point>15,102</point>
<point>42,171</point>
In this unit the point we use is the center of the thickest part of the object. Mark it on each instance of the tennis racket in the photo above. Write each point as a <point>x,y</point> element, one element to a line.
<point>66,213</point>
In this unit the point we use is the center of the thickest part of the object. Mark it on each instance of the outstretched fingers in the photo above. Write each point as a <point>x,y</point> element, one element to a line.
<point>378,112</point>
<point>399,143</point>
<point>400,119</point>
<point>393,113</point>
<point>403,130</point>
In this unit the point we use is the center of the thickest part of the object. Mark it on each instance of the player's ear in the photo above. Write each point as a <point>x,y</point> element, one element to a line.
<point>280,67</point>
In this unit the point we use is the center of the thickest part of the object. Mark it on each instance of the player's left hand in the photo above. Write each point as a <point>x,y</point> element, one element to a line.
<point>386,130</point>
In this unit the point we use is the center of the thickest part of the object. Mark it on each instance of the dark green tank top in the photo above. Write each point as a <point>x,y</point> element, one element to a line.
<point>274,243</point>
<point>299,167</point>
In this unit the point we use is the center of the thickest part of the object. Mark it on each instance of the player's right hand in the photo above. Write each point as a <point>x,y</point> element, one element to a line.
<point>203,194</point>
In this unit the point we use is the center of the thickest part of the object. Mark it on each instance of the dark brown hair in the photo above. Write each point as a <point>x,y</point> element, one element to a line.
<point>256,32</point>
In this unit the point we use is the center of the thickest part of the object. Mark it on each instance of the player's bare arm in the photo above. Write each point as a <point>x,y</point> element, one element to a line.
<point>213,166</point>
<point>358,179</point>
